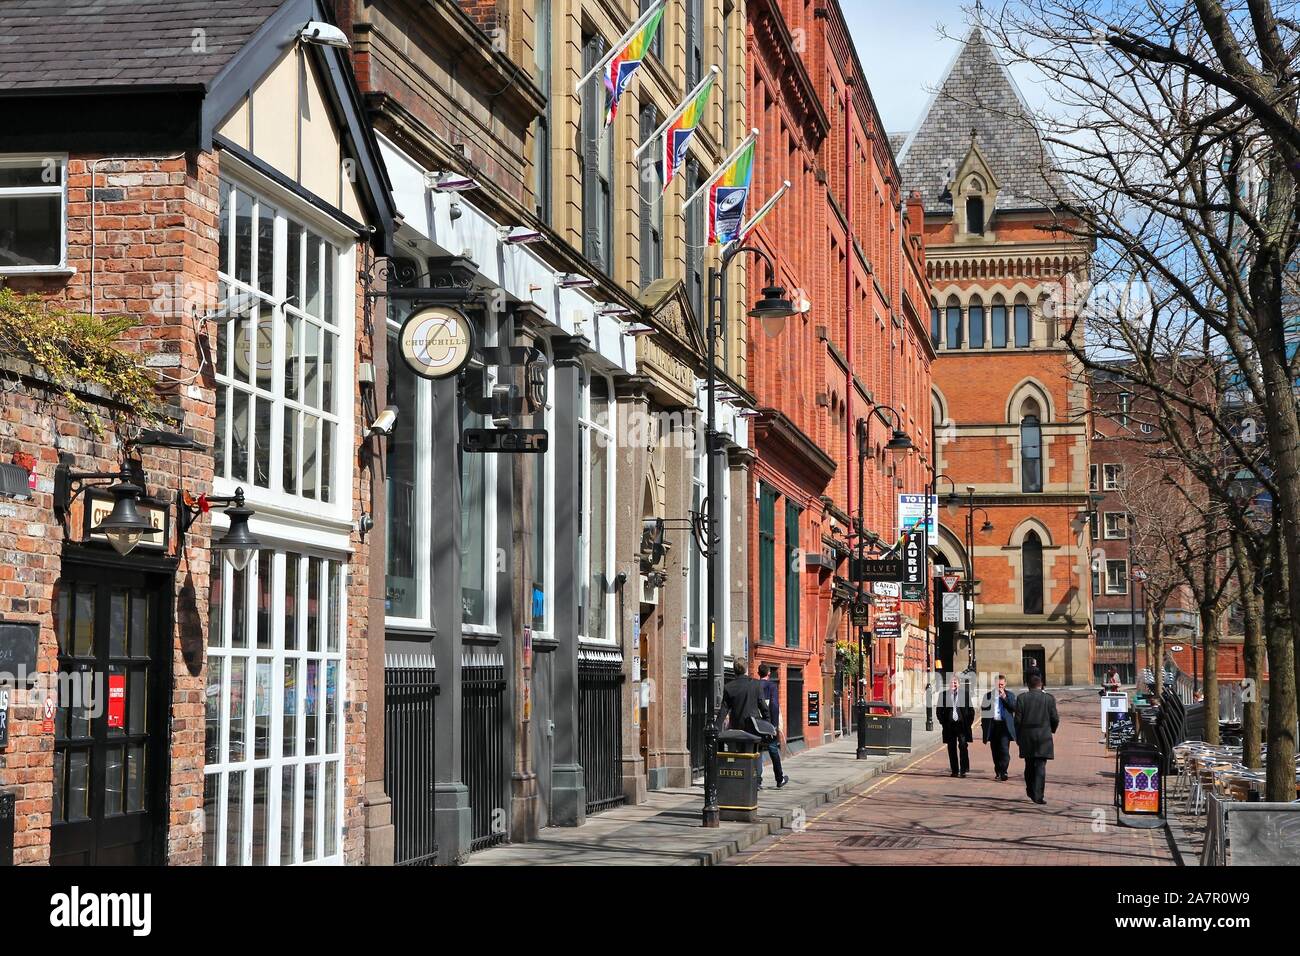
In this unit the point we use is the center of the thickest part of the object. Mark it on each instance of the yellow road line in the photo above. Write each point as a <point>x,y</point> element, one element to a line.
<point>880,784</point>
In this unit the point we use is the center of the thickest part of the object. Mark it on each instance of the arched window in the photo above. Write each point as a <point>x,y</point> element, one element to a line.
<point>934,326</point>
<point>1031,448</point>
<point>976,322</point>
<point>954,323</point>
<point>975,215</point>
<point>1031,572</point>
<point>999,322</point>
<point>1047,309</point>
<point>1023,334</point>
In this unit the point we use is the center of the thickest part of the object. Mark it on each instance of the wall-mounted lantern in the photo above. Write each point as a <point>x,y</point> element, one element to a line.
<point>124,526</point>
<point>238,543</point>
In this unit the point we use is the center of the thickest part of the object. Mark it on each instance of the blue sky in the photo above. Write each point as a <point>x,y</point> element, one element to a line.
<point>904,55</point>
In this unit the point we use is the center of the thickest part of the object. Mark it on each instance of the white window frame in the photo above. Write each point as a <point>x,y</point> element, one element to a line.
<point>588,429</point>
<point>1122,562</point>
<point>32,159</point>
<point>277,655</point>
<point>1120,529</point>
<point>423,453</point>
<point>696,565</point>
<point>334,517</point>
<point>1112,477</point>
<point>490,545</point>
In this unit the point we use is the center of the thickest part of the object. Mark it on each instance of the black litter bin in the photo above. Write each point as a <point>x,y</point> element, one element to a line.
<point>738,775</point>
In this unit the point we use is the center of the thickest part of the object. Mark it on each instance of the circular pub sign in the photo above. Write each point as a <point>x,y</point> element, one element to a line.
<point>437,342</point>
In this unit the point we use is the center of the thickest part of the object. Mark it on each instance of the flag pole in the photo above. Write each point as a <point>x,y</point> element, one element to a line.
<point>763,211</point>
<point>690,98</point>
<point>722,167</point>
<point>616,47</point>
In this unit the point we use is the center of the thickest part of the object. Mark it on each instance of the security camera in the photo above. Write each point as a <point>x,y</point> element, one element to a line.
<point>383,425</point>
<point>324,34</point>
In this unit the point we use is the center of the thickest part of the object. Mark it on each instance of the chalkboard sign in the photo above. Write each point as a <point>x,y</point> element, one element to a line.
<point>18,651</point>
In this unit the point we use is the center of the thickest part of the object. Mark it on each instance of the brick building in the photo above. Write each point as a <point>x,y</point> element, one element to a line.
<point>1009,402</point>
<point>847,237</point>
<point>226,716</point>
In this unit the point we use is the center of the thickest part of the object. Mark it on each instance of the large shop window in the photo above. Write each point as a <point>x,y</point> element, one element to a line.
<point>32,213</point>
<point>406,473</point>
<point>596,539</point>
<point>273,767</point>
<point>477,529</point>
<point>696,574</point>
<point>278,352</point>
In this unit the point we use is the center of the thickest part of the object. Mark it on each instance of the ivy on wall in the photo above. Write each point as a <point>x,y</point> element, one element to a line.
<point>79,355</point>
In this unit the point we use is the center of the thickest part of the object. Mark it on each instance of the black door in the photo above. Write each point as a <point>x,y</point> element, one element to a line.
<point>110,724</point>
<point>1032,659</point>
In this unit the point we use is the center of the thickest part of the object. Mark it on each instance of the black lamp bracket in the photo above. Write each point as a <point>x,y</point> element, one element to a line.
<point>189,509</point>
<point>69,484</point>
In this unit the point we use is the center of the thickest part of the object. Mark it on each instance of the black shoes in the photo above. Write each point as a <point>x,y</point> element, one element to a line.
<point>784,781</point>
<point>962,774</point>
<point>954,773</point>
<point>1040,801</point>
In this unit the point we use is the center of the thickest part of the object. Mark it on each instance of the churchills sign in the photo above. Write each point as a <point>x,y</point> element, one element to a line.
<point>437,342</point>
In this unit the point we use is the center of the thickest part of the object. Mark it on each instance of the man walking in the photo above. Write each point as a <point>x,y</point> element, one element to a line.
<point>772,697</point>
<point>740,701</point>
<point>1036,721</point>
<point>998,725</point>
<point>957,716</point>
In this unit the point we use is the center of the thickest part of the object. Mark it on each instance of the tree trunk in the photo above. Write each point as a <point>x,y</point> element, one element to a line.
<point>1251,731</point>
<point>1156,621</point>
<point>1149,643</point>
<point>1210,669</point>
<point>1280,644</point>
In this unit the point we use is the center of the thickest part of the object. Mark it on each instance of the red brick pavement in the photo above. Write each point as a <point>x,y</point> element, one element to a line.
<point>920,815</point>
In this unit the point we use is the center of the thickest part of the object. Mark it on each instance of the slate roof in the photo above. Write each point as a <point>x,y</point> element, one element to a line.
<point>72,44</point>
<point>979,94</point>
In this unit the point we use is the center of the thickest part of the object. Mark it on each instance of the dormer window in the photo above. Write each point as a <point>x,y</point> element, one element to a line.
<point>975,215</point>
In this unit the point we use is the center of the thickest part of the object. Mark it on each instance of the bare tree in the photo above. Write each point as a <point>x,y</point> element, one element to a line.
<point>1175,130</point>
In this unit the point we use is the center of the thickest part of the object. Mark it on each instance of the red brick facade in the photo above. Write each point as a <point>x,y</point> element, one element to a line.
<point>845,237</point>
<point>155,259</point>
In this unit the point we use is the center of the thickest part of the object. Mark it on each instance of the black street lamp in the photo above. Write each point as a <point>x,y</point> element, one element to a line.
<point>953,502</point>
<point>899,441</point>
<point>238,543</point>
<point>124,526</point>
<point>772,310</point>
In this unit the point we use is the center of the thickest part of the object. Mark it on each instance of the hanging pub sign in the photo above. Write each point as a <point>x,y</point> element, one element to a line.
<point>437,342</point>
<point>99,505</point>
<point>914,557</point>
<point>876,569</point>
<point>505,440</point>
<point>860,614</point>
<point>913,592</point>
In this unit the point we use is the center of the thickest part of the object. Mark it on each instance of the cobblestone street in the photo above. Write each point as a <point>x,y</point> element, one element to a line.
<point>920,815</point>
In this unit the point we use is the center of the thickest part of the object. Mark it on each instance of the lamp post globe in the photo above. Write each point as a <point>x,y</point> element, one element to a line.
<point>773,309</point>
<point>124,525</point>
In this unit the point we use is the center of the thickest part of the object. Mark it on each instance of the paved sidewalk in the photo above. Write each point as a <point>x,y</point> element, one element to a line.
<point>921,815</point>
<point>666,831</point>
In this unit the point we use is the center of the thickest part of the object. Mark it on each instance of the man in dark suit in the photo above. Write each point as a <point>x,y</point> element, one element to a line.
<point>772,698</point>
<point>740,701</point>
<point>1036,721</point>
<point>957,717</point>
<point>998,725</point>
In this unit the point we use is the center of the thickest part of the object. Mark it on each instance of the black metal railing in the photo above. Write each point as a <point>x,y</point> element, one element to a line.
<point>697,711</point>
<point>794,704</point>
<point>482,754</point>
<point>600,732</point>
<point>408,762</point>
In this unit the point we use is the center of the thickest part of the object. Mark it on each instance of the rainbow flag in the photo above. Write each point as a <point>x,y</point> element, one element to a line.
<point>759,216</point>
<point>728,194</point>
<point>678,134</point>
<point>627,61</point>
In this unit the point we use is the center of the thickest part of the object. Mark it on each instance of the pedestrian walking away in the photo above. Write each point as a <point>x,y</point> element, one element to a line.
<point>998,725</point>
<point>957,717</point>
<point>741,701</point>
<point>1036,722</point>
<point>772,700</point>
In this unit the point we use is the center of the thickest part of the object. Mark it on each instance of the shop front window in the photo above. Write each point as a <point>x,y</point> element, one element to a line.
<point>596,540</point>
<point>273,775</point>
<point>279,371</point>
<point>407,492</point>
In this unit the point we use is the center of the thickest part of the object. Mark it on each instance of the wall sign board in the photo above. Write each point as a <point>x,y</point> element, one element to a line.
<point>18,652</point>
<point>99,505</point>
<point>437,342</point>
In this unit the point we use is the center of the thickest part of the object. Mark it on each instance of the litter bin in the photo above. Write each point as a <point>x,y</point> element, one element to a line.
<point>738,775</point>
